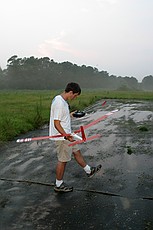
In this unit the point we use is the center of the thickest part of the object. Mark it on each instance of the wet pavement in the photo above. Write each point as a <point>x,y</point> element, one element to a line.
<point>120,196</point>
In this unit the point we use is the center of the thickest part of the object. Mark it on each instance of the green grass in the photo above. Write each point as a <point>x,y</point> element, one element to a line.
<point>22,111</point>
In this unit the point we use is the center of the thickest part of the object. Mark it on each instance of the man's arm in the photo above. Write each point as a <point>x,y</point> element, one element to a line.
<point>57,124</point>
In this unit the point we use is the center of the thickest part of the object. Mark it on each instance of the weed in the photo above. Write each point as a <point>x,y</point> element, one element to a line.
<point>143,128</point>
<point>129,150</point>
<point>7,130</point>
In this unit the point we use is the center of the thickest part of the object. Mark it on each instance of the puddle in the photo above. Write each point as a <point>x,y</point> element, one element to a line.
<point>140,116</point>
<point>13,156</point>
<point>26,164</point>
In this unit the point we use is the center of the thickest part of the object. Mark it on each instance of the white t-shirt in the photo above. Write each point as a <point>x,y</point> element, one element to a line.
<point>59,111</point>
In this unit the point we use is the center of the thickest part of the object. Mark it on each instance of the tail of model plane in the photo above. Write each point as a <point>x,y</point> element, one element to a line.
<point>83,138</point>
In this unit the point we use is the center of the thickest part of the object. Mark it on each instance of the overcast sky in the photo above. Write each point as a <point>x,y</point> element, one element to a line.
<point>111,35</point>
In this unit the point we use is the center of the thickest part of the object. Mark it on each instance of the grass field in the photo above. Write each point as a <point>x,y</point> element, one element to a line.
<point>22,111</point>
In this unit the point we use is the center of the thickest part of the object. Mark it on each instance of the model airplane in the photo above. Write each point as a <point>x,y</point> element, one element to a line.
<point>77,139</point>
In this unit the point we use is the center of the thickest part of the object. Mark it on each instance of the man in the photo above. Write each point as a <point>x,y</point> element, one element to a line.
<point>60,123</point>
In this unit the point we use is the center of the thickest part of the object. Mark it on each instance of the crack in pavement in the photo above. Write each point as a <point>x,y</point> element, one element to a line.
<point>106,193</point>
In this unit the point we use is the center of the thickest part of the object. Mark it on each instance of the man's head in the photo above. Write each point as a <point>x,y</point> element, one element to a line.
<point>72,90</point>
<point>74,87</point>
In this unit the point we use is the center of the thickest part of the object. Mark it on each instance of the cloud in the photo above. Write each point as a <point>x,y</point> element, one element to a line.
<point>60,49</point>
<point>108,1</point>
<point>85,10</point>
<point>51,46</point>
<point>57,46</point>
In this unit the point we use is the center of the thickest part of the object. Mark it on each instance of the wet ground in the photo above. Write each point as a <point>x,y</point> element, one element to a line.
<point>120,196</point>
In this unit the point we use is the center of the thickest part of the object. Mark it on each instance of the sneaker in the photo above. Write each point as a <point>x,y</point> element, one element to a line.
<point>94,170</point>
<point>63,188</point>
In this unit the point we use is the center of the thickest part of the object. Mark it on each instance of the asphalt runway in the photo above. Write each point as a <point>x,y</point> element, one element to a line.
<point>120,196</point>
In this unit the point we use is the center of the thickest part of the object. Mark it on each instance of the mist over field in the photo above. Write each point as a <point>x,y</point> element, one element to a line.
<point>44,73</point>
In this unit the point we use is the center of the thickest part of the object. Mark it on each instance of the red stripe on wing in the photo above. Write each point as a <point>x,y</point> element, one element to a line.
<point>96,121</point>
<point>92,123</point>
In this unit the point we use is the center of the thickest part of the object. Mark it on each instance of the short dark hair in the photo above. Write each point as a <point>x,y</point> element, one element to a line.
<point>74,87</point>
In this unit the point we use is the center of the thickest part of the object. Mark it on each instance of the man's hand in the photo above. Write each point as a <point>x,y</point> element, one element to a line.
<point>60,129</point>
<point>71,114</point>
<point>69,138</point>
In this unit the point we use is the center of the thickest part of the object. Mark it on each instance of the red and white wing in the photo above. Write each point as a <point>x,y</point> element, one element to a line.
<point>82,128</point>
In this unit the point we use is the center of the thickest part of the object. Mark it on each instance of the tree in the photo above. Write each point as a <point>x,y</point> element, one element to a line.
<point>45,73</point>
<point>1,72</point>
<point>147,83</point>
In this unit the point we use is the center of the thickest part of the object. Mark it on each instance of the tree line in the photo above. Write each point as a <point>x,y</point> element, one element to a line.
<point>44,73</point>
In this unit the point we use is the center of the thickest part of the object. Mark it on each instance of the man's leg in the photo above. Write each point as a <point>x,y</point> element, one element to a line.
<point>60,186</point>
<point>80,160</point>
<point>64,155</point>
<point>63,158</point>
<point>60,169</point>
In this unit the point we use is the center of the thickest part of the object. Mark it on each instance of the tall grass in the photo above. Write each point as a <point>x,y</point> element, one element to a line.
<point>22,111</point>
